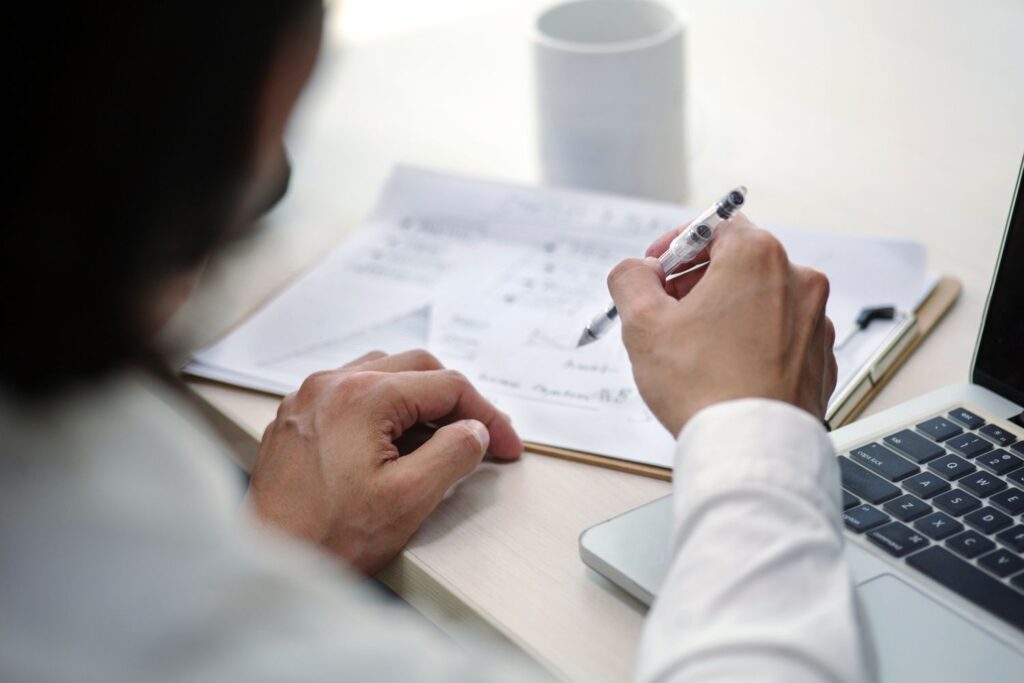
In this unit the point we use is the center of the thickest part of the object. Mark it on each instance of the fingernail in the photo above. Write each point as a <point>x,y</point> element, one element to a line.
<point>480,432</point>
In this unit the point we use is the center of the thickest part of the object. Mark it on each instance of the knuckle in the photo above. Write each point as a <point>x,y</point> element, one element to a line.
<point>286,404</point>
<point>425,359</point>
<point>316,382</point>
<point>367,357</point>
<point>290,425</point>
<point>812,284</point>
<point>358,383</point>
<point>456,378</point>
<point>766,245</point>
<point>740,220</point>
<point>818,282</point>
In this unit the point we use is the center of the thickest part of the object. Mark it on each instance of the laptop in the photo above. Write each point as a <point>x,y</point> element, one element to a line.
<point>933,502</point>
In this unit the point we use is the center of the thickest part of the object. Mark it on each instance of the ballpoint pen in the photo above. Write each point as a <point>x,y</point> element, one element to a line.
<point>681,251</point>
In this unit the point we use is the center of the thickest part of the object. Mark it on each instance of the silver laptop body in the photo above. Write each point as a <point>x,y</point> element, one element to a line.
<point>921,628</point>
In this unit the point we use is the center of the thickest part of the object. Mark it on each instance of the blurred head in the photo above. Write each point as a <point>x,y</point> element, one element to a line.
<point>145,135</point>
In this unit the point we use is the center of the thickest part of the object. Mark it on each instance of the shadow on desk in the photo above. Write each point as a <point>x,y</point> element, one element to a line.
<point>470,496</point>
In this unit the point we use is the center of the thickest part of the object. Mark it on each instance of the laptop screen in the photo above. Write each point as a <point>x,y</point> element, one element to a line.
<point>999,363</point>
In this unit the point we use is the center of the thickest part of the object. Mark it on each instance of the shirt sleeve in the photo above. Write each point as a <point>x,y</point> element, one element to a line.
<point>758,589</point>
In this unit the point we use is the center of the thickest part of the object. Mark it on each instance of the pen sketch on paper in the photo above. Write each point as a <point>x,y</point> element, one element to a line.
<point>497,281</point>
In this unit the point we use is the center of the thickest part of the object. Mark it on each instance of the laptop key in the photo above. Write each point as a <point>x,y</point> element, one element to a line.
<point>884,462</point>
<point>1012,537</point>
<point>938,526</point>
<point>988,520</point>
<point>987,592</point>
<point>998,434</point>
<point>907,508</point>
<point>939,429</point>
<point>864,518</point>
<point>966,418</point>
<point>850,500</point>
<point>1010,501</point>
<point>999,461</point>
<point>864,484</point>
<point>1001,562</point>
<point>969,445</point>
<point>897,539</point>
<point>914,446</point>
<point>925,485</point>
<point>982,484</point>
<point>956,502</point>
<point>1018,581</point>
<point>970,544</point>
<point>951,467</point>
<point>1018,447</point>
<point>1017,476</point>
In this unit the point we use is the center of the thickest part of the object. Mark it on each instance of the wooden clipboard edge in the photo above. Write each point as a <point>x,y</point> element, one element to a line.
<point>652,471</point>
<point>931,311</point>
<point>929,314</point>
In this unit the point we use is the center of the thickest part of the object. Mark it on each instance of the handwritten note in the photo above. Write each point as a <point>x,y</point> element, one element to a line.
<point>587,405</point>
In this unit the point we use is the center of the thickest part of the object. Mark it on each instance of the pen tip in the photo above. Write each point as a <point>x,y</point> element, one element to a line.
<point>586,338</point>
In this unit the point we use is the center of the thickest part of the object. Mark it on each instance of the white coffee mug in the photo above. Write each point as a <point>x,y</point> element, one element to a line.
<point>609,79</point>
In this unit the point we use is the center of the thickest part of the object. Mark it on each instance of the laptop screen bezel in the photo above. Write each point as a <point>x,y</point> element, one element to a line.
<point>978,375</point>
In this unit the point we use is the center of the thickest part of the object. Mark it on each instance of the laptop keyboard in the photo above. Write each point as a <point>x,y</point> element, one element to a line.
<point>947,497</point>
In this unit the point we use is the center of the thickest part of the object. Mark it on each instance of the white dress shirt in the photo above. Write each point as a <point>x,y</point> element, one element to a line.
<point>758,589</point>
<point>125,556</point>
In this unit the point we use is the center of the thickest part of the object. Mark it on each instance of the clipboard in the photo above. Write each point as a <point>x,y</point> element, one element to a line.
<point>853,400</point>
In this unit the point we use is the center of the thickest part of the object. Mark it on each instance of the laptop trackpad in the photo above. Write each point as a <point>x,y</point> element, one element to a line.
<point>917,639</point>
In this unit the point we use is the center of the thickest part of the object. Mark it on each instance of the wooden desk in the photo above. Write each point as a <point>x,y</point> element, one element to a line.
<point>902,119</point>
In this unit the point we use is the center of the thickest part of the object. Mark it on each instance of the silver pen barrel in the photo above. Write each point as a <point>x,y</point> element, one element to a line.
<point>599,325</point>
<point>681,251</point>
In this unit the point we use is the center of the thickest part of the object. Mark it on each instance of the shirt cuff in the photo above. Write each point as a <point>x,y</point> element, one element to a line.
<point>757,442</point>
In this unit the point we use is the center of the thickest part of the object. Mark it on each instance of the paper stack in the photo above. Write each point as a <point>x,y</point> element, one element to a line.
<point>497,281</point>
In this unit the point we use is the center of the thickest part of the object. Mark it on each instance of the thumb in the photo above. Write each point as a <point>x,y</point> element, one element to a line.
<point>450,454</point>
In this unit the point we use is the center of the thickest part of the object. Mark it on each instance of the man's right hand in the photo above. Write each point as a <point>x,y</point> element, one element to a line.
<point>749,325</point>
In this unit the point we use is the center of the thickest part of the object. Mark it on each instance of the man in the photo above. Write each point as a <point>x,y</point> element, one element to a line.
<point>149,134</point>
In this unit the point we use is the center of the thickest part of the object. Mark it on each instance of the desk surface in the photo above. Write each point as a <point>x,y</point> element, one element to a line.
<point>900,119</point>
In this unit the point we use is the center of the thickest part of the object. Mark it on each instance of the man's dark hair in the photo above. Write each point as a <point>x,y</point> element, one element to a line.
<point>133,122</point>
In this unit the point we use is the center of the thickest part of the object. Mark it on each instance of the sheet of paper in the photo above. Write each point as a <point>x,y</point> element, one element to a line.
<point>283,373</point>
<point>498,281</point>
<point>367,282</point>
